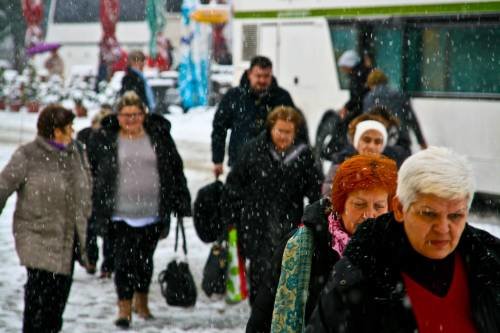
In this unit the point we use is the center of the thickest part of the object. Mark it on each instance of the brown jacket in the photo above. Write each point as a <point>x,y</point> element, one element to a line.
<point>53,203</point>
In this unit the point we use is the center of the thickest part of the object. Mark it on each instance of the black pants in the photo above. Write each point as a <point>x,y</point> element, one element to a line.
<point>45,297</point>
<point>260,265</point>
<point>108,261</point>
<point>134,249</point>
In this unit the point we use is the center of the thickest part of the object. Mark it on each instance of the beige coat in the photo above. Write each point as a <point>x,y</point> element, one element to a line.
<point>53,203</point>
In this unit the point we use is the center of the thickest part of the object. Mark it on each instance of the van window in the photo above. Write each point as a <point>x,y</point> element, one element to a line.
<point>343,38</point>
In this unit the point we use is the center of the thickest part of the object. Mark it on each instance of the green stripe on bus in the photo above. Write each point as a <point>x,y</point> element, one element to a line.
<point>452,8</point>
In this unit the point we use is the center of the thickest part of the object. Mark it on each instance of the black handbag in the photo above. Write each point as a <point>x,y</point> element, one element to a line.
<point>206,212</point>
<point>215,270</point>
<point>176,281</point>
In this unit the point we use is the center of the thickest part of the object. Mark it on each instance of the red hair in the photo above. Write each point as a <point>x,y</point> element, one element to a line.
<point>363,172</point>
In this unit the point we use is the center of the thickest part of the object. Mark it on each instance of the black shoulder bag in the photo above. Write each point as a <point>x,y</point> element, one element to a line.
<point>176,281</point>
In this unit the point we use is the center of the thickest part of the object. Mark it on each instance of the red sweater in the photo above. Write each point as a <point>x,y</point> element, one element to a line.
<point>448,314</point>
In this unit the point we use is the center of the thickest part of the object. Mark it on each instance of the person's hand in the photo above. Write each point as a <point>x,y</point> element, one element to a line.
<point>423,146</point>
<point>343,112</point>
<point>218,169</point>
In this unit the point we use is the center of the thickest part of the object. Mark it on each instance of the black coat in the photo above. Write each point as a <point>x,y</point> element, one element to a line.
<point>316,218</point>
<point>264,194</point>
<point>132,81</point>
<point>366,292</point>
<point>103,155</point>
<point>357,90</point>
<point>245,113</point>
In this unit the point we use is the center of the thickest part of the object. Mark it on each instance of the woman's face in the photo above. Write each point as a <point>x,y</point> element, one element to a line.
<point>283,134</point>
<point>131,119</point>
<point>363,204</point>
<point>432,224</point>
<point>370,143</point>
<point>64,135</point>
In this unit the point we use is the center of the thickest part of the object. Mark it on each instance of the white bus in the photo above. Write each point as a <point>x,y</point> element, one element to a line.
<point>76,25</point>
<point>445,55</point>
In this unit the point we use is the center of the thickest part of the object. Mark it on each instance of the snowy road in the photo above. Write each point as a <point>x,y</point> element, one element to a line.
<point>92,302</point>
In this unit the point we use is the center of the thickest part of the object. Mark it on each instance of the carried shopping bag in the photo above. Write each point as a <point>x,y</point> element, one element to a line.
<point>236,286</point>
<point>215,270</point>
<point>176,281</point>
<point>293,287</point>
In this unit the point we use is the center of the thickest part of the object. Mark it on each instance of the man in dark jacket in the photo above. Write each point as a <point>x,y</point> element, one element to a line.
<point>350,63</point>
<point>244,109</point>
<point>421,268</point>
<point>134,80</point>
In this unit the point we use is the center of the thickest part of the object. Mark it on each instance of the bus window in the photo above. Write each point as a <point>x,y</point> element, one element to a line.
<point>388,50</point>
<point>343,38</point>
<point>454,59</point>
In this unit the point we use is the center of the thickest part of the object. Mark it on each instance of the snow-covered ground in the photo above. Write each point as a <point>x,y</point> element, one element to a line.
<point>92,302</point>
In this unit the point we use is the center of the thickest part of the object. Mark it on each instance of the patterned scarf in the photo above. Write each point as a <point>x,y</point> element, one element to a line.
<point>340,237</point>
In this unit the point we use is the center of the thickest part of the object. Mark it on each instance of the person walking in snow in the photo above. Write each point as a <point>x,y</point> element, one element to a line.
<point>134,80</point>
<point>363,188</point>
<point>421,268</point>
<point>244,109</point>
<point>52,179</point>
<point>139,182</point>
<point>94,228</point>
<point>266,188</point>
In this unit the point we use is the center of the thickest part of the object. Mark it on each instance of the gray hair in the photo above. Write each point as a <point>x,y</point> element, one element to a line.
<point>438,171</point>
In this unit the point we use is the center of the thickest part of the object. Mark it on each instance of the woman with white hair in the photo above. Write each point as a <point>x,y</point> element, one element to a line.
<point>422,267</point>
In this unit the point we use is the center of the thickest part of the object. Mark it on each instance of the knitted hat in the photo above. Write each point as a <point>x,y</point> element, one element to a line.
<point>363,172</point>
<point>366,125</point>
<point>349,58</point>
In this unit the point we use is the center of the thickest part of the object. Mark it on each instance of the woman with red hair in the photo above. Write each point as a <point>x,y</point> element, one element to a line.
<point>363,188</point>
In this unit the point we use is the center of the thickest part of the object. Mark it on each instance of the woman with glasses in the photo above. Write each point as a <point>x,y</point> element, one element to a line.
<point>139,182</point>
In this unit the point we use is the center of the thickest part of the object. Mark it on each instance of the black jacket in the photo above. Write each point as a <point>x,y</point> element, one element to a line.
<point>366,292</point>
<point>103,155</point>
<point>316,218</point>
<point>264,194</point>
<point>357,90</point>
<point>244,113</point>
<point>132,81</point>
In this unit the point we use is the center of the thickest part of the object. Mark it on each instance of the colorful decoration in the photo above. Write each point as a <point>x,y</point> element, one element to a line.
<point>33,15</point>
<point>111,54</point>
<point>193,66</point>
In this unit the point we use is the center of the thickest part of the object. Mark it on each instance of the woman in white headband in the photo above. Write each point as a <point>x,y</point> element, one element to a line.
<point>368,135</point>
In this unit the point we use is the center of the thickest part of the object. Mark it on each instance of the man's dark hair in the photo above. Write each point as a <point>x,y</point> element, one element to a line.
<point>261,61</point>
<point>53,116</point>
<point>136,56</point>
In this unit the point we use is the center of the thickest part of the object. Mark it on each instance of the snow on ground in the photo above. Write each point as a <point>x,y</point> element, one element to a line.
<point>92,302</point>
